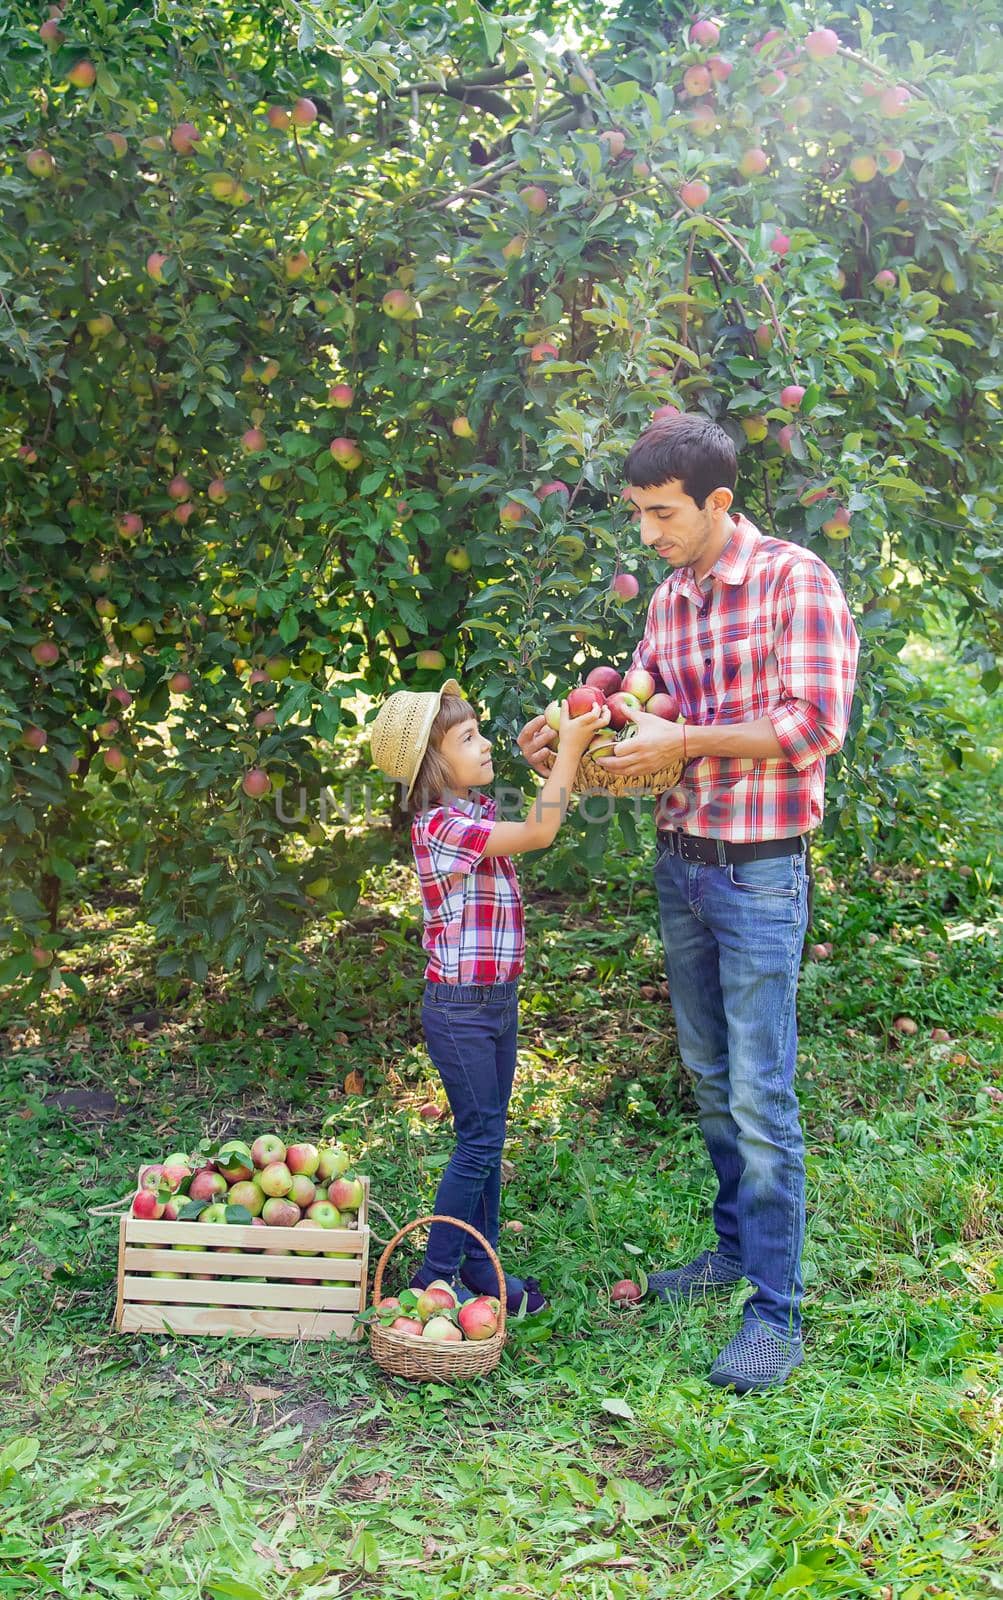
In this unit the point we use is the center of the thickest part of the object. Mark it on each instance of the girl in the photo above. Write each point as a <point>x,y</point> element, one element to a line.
<point>432,746</point>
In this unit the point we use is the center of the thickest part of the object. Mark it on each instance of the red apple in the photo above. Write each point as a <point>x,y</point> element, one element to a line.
<point>437,1297</point>
<point>407,1325</point>
<point>665,706</point>
<point>45,653</point>
<point>398,304</point>
<point>302,1191</point>
<point>278,117</point>
<point>82,74</point>
<point>625,1293</point>
<point>606,679</point>
<point>615,142</point>
<point>114,759</point>
<point>252,441</point>
<point>478,1318</point>
<point>694,194</point>
<point>640,683</point>
<point>129,525</point>
<point>256,783</point>
<point>146,1205</point>
<point>346,1193</point>
<point>625,585</point>
<point>754,162</point>
<point>155,263</point>
<point>792,396</point>
<point>279,1213</point>
<point>705,32</point>
<point>583,698</point>
<point>303,1158</point>
<point>185,137</point>
<point>554,487</point>
<point>696,81</point>
<point>216,491</point>
<point>346,452</point>
<point>661,414</point>
<point>780,243</point>
<point>303,113</point>
<point>893,102</point>
<point>206,1184</point>
<point>341,395</point>
<point>545,351</point>
<point>534,199</point>
<point>720,70</point>
<point>619,704</point>
<point>885,279</point>
<point>821,44</point>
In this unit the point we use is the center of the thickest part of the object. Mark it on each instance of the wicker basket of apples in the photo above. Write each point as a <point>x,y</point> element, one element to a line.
<point>635,691</point>
<point>425,1334</point>
<point>216,1244</point>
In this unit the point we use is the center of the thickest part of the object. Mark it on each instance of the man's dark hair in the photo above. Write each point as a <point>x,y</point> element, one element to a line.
<point>690,448</point>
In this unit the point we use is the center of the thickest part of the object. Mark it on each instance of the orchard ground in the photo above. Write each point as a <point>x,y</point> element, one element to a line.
<point>596,1462</point>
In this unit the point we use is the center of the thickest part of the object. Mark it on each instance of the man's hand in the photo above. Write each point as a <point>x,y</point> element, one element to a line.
<point>654,745</point>
<point>535,741</point>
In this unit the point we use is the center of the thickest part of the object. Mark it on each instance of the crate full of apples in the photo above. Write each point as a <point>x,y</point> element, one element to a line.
<point>635,691</point>
<point>261,1238</point>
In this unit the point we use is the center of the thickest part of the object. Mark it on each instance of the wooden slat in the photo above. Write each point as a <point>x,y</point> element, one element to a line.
<point>226,1262</point>
<point>253,1324</point>
<point>292,1296</point>
<point>223,1234</point>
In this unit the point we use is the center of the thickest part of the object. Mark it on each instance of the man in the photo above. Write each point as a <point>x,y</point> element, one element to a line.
<point>752,636</point>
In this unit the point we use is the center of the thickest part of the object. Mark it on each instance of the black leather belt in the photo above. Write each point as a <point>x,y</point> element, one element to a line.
<point>719,852</point>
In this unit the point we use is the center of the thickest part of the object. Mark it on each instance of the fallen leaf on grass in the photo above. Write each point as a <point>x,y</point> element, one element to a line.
<point>256,1395</point>
<point>272,1556</point>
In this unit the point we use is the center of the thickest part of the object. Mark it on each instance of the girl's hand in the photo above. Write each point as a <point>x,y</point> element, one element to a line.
<point>536,743</point>
<point>578,732</point>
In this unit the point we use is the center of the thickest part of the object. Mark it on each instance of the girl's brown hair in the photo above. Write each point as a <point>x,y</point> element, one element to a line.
<point>434,779</point>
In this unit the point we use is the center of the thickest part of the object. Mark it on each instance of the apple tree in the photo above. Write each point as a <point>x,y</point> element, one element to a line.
<point>323,336</point>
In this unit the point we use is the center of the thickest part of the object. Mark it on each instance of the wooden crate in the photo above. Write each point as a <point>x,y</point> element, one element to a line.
<point>278,1309</point>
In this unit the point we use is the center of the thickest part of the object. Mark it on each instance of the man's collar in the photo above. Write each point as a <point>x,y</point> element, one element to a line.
<point>732,565</point>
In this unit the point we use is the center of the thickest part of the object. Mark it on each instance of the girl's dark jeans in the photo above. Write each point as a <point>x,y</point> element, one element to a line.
<point>470,1030</point>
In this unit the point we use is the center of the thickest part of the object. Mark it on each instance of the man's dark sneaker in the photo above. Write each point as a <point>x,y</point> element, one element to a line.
<point>709,1274</point>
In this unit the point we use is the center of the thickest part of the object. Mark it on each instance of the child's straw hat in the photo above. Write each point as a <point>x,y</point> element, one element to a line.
<point>400,734</point>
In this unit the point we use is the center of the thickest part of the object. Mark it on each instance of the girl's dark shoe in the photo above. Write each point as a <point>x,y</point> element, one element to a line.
<point>480,1276</point>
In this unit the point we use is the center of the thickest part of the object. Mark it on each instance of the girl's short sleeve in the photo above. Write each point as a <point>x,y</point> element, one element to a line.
<point>454,843</point>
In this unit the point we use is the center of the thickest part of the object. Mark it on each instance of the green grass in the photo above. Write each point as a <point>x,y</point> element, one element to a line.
<point>596,1461</point>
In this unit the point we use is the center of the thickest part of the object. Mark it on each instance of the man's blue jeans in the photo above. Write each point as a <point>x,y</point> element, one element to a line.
<point>732,937</point>
<point>470,1030</point>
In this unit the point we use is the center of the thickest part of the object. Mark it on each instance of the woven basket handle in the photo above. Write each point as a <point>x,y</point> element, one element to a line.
<point>454,1222</point>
